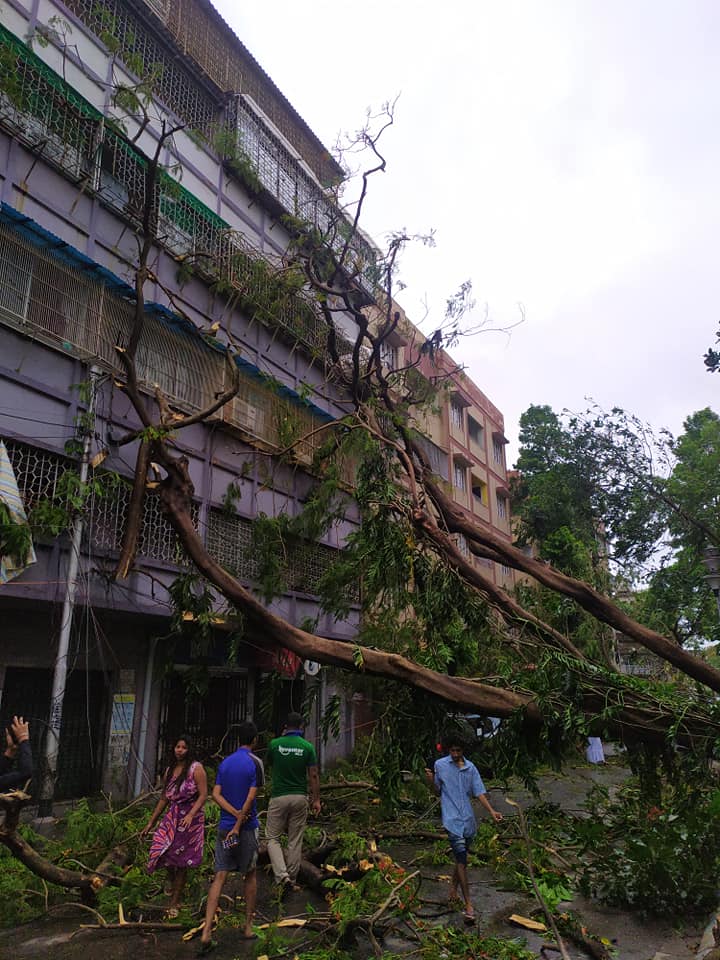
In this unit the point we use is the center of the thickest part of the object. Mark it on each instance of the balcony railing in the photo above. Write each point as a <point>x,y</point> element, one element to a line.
<point>147,56</point>
<point>57,303</point>
<point>228,537</point>
<point>40,109</point>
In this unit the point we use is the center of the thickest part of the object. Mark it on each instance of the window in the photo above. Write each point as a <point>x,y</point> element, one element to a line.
<point>459,476</point>
<point>501,507</point>
<point>506,571</point>
<point>456,415</point>
<point>16,266</point>
<point>476,432</point>
<point>462,545</point>
<point>389,355</point>
<point>497,451</point>
<point>479,490</point>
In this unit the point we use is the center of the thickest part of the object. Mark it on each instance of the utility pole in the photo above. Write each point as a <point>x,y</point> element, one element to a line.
<point>57,697</point>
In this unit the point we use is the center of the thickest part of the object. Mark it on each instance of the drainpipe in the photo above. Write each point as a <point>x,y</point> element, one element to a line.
<point>52,739</point>
<point>142,739</point>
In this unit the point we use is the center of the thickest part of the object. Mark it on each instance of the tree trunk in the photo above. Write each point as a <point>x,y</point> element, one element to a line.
<point>135,511</point>
<point>583,594</point>
<point>622,710</point>
<point>43,868</point>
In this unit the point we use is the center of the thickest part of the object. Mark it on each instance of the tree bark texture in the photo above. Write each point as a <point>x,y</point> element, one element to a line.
<point>630,713</point>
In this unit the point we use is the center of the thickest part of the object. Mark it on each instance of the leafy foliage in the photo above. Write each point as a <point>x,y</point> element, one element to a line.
<point>660,860</point>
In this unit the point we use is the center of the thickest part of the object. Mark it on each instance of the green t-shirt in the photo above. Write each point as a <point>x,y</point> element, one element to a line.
<point>290,756</point>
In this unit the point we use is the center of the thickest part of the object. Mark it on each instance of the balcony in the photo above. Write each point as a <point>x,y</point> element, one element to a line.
<point>228,537</point>
<point>59,304</point>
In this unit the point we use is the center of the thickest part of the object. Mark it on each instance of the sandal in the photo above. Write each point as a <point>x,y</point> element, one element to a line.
<point>469,917</point>
<point>172,913</point>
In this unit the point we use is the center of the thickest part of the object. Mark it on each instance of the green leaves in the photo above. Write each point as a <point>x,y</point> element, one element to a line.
<point>661,859</point>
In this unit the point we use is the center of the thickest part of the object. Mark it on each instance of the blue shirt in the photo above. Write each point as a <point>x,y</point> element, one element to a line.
<point>457,785</point>
<point>236,775</point>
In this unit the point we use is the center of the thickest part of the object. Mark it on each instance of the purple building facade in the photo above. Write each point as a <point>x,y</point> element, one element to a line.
<point>72,181</point>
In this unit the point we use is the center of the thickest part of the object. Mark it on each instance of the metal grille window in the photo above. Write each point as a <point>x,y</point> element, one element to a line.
<point>56,302</point>
<point>38,109</point>
<point>38,473</point>
<point>456,415</point>
<point>229,541</point>
<point>436,455</point>
<point>501,506</point>
<point>158,540</point>
<point>282,176</point>
<point>121,177</point>
<point>459,479</point>
<point>173,84</point>
<point>497,451</point>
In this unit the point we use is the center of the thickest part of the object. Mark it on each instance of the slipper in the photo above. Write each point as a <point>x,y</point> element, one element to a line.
<point>205,948</point>
<point>245,936</point>
<point>469,918</point>
<point>172,912</point>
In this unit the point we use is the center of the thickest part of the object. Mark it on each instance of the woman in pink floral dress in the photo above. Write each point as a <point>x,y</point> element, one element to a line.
<point>178,841</point>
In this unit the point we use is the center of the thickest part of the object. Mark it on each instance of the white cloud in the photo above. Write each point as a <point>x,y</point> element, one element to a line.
<point>566,155</point>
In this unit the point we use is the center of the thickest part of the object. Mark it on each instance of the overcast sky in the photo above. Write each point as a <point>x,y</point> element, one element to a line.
<point>567,154</point>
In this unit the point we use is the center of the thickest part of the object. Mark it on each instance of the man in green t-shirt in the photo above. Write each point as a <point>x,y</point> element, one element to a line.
<point>294,765</point>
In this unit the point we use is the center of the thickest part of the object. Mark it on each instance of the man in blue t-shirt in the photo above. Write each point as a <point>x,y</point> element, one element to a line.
<point>236,847</point>
<point>458,781</point>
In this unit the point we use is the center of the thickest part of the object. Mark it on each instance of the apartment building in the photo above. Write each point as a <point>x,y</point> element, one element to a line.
<point>463,436</point>
<point>88,88</point>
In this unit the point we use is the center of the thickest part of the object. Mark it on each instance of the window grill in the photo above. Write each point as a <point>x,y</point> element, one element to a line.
<point>157,539</point>
<point>57,303</point>
<point>161,8</point>
<point>269,298</point>
<point>307,563</point>
<point>47,296</point>
<point>188,227</point>
<point>39,110</point>
<point>122,177</point>
<point>174,85</point>
<point>436,455</point>
<point>117,171</point>
<point>229,540</point>
<point>38,473</point>
<point>283,177</point>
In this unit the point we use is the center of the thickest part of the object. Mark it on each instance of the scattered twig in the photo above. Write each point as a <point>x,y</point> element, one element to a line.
<point>531,871</point>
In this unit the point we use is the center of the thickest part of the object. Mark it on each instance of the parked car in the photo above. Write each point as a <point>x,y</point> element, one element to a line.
<point>473,728</point>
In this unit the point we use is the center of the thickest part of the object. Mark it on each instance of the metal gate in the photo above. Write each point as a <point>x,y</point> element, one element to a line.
<point>82,736</point>
<point>210,715</point>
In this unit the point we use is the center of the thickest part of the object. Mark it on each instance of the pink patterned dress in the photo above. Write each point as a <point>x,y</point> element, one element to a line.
<point>171,845</point>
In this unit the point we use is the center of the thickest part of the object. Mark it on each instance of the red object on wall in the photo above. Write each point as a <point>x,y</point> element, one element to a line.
<point>286,662</point>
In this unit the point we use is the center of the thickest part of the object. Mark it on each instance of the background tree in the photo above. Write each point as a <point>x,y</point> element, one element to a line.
<point>603,493</point>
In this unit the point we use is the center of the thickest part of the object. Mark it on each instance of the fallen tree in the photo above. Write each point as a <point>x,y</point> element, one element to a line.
<point>383,408</point>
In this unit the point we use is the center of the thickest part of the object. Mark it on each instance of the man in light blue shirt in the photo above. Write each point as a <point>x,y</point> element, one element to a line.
<point>457,781</point>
